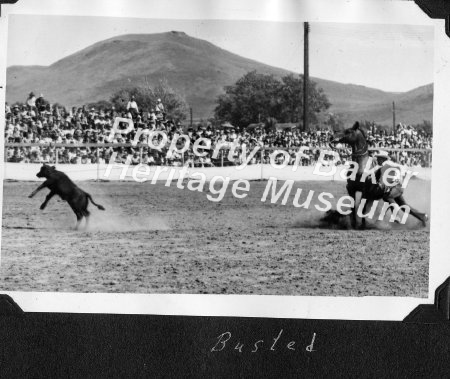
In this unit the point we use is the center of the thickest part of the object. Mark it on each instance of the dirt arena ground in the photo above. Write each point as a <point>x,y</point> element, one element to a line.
<point>157,239</point>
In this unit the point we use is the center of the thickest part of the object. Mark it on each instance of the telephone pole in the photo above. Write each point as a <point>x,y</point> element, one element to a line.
<point>393,117</point>
<point>305,75</point>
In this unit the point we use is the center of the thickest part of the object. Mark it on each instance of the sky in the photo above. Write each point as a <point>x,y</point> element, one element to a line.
<point>394,58</point>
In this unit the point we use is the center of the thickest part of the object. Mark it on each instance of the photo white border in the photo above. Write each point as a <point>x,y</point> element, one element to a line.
<point>318,307</point>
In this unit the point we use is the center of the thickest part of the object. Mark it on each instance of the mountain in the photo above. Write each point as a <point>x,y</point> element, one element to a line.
<point>411,107</point>
<point>196,68</point>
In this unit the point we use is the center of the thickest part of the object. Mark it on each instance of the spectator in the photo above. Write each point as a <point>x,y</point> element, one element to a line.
<point>132,107</point>
<point>40,103</point>
<point>159,110</point>
<point>81,125</point>
<point>31,101</point>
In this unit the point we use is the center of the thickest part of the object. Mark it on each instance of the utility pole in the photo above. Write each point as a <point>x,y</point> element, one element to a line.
<point>305,75</point>
<point>393,117</point>
<point>190,113</point>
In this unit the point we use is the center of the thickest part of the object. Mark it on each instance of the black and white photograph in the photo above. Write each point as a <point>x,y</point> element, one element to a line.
<point>217,156</point>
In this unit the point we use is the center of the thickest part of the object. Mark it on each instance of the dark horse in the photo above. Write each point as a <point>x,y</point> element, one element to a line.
<point>357,139</point>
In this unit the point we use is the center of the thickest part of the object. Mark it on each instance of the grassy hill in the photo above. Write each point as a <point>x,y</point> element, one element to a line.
<point>196,68</point>
<point>411,107</point>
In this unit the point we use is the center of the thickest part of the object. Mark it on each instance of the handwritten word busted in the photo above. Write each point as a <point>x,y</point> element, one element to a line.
<point>225,341</point>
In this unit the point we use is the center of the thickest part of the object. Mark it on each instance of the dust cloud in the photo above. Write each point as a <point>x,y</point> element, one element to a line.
<point>114,219</point>
<point>417,195</point>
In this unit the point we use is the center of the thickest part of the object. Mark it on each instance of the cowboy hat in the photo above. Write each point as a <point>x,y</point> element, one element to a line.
<point>382,154</point>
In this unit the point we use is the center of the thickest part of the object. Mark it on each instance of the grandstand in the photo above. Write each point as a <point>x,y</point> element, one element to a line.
<point>51,134</point>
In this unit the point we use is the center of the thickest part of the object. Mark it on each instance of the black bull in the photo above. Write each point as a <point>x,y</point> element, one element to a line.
<point>61,185</point>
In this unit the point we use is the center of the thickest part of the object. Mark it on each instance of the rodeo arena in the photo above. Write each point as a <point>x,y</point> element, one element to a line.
<point>208,232</point>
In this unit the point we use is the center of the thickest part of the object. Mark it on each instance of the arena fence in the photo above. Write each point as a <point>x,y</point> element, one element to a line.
<point>259,168</point>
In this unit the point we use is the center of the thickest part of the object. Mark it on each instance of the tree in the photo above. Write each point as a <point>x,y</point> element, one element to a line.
<point>291,96</point>
<point>146,97</point>
<point>331,121</point>
<point>59,106</point>
<point>99,105</point>
<point>426,126</point>
<point>257,97</point>
<point>175,104</point>
<point>252,99</point>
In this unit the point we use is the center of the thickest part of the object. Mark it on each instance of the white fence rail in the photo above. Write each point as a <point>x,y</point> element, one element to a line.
<point>28,171</point>
<point>223,167</point>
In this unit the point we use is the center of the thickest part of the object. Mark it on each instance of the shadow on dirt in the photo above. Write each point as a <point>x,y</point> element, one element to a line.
<point>334,220</point>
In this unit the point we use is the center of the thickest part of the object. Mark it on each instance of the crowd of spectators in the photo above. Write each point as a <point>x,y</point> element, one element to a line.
<point>38,122</point>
